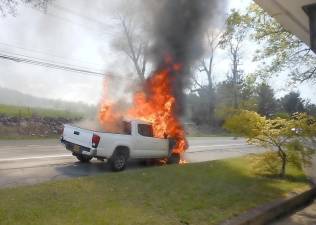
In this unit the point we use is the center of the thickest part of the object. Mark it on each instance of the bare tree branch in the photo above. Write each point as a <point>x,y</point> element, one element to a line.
<point>132,40</point>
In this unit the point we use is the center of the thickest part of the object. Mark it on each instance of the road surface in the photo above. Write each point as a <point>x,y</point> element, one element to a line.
<point>33,161</point>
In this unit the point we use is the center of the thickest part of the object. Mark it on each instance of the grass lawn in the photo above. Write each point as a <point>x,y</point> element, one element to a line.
<point>204,193</point>
<point>27,112</point>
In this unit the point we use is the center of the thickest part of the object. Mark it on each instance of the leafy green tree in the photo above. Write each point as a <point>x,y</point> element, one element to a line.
<point>225,102</point>
<point>305,127</point>
<point>267,104</point>
<point>280,50</point>
<point>232,40</point>
<point>225,97</point>
<point>284,137</point>
<point>248,99</point>
<point>310,108</point>
<point>293,103</point>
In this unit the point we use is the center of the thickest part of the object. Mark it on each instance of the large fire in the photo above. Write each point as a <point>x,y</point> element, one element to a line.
<point>155,104</point>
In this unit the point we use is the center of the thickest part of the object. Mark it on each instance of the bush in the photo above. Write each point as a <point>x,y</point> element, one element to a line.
<point>291,140</point>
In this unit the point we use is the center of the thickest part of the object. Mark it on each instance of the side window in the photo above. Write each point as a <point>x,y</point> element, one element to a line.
<point>127,128</point>
<point>145,130</point>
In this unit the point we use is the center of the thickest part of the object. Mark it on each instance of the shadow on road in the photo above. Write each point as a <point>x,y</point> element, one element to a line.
<point>94,167</point>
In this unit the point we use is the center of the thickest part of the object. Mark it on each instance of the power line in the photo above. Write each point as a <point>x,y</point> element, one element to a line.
<point>29,60</point>
<point>42,60</point>
<point>47,54</point>
<point>49,65</point>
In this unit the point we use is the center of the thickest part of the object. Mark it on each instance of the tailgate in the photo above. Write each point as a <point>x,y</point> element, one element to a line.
<point>78,136</point>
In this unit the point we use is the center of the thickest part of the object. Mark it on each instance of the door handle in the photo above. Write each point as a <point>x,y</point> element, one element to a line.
<point>76,132</point>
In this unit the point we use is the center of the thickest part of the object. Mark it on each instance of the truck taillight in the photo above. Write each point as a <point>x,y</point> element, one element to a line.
<point>95,140</point>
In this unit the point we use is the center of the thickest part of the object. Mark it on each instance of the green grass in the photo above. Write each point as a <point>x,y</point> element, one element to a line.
<point>27,112</point>
<point>204,193</point>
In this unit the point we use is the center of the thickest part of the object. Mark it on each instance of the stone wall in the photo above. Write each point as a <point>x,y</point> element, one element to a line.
<point>32,126</point>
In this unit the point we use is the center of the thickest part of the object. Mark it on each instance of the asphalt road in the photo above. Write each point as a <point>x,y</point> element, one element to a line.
<point>26,162</point>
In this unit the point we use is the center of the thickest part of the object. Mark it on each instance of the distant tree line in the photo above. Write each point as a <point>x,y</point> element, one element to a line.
<point>251,96</point>
<point>278,52</point>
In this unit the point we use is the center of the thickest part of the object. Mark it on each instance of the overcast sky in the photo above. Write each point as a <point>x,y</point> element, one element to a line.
<point>76,33</point>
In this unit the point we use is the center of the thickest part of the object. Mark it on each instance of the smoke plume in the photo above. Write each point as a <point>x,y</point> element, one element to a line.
<point>178,31</point>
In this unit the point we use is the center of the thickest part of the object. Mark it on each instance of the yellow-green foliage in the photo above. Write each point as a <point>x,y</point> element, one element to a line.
<point>245,123</point>
<point>290,140</point>
<point>265,164</point>
<point>305,126</point>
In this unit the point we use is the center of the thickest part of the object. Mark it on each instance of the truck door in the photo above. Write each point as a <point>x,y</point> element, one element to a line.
<point>146,145</point>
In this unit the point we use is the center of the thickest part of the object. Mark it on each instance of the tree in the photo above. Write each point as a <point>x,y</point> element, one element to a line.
<point>10,6</point>
<point>198,106</point>
<point>280,51</point>
<point>285,144</point>
<point>206,67</point>
<point>232,39</point>
<point>310,108</point>
<point>305,126</point>
<point>132,40</point>
<point>225,100</point>
<point>292,103</point>
<point>267,103</point>
<point>206,64</point>
<point>248,99</point>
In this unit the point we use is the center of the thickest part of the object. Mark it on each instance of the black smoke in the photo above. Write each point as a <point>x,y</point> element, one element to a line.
<point>178,31</point>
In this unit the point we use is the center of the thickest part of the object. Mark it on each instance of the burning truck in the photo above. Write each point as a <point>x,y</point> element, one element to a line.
<point>148,129</point>
<point>177,31</point>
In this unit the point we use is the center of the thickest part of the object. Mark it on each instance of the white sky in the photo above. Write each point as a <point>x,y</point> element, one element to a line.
<point>78,36</point>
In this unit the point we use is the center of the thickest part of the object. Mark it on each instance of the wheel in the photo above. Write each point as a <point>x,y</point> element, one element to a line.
<point>118,161</point>
<point>174,159</point>
<point>84,158</point>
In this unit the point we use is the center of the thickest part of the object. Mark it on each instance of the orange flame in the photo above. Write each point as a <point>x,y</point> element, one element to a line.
<point>156,105</point>
<point>108,117</point>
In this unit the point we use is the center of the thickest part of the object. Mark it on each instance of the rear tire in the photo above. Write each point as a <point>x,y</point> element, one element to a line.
<point>84,158</point>
<point>118,161</point>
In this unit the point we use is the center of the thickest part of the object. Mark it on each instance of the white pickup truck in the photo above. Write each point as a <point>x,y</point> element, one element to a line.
<point>135,142</point>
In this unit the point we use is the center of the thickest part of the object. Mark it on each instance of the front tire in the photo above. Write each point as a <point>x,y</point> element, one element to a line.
<point>118,161</point>
<point>174,159</point>
<point>84,158</point>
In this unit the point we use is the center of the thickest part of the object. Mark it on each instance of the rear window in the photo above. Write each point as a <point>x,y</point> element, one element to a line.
<point>145,130</point>
<point>127,128</point>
